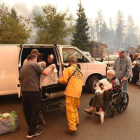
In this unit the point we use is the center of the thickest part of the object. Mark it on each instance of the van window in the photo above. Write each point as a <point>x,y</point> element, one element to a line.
<point>70,51</point>
<point>110,58</point>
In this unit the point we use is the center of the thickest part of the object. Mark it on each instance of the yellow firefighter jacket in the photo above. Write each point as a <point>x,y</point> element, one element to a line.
<point>74,85</point>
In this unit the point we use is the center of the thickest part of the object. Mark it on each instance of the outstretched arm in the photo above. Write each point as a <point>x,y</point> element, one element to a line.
<point>65,77</point>
<point>48,70</point>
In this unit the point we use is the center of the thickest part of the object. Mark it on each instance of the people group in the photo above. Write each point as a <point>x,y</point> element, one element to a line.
<point>135,59</point>
<point>119,75</point>
<point>29,78</point>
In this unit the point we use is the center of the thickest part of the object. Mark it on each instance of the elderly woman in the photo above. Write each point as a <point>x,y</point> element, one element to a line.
<point>103,89</point>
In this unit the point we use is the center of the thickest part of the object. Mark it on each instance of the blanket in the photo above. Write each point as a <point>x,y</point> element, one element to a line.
<point>49,79</point>
<point>106,85</point>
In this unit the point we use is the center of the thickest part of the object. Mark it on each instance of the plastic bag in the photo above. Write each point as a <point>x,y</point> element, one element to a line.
<point>8,122</point>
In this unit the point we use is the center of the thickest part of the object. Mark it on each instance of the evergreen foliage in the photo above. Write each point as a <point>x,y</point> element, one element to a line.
<point>13,28</point>
<point>80,35</point>
<point>51,25</point>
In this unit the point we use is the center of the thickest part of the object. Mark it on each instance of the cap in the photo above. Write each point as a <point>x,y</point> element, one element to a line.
<point>72,59</point>
<point>121,50</point>
<point>35,51</point>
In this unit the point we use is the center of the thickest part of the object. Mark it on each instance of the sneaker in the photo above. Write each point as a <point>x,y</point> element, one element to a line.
<point>90,112</point>
<point>38,132</point>
<point>69,132</point>
<point>97,113</point>
<point>77,124</point>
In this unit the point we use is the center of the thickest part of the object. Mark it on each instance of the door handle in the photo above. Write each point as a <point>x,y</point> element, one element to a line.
<point>18,85</point>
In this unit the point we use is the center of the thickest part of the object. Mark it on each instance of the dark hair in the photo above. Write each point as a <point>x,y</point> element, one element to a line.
<point>31,57</point>
<point>135,55</point>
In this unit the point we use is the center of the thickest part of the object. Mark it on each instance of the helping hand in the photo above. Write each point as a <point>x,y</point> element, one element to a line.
<point>62,64</point>
<point>124,79</point>
<point>52,66</point>
<point>102,87</point>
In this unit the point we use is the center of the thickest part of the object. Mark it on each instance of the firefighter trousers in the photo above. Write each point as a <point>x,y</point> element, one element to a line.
<point>72,113</point>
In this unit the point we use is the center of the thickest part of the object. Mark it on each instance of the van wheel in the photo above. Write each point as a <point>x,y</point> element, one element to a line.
<point>92,83</point>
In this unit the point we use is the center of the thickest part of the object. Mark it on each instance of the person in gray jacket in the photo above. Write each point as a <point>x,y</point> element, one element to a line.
<point>122,67</point>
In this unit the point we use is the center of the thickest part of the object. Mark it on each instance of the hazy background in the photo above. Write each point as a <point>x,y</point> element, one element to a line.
<point>109,7</point>
<point>102,15</point>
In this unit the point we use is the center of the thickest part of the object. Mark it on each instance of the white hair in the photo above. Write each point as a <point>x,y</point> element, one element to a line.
<point>111,72</point>
<point>42,63</point>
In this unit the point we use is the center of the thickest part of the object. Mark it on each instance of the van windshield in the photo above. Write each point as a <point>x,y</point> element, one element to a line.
<point>87,54</point>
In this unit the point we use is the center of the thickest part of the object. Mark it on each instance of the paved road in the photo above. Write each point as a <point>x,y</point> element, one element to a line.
<point>122,127</point>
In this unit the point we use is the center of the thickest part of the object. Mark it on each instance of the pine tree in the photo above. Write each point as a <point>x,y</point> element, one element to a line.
<point>99,21</point>
<point>14,14</point>
<point>111,37</point>
<point>104,33</point>
<point>91,29</point>
<point>80,35</point>
<point>131,37</point>
<point>120,30</point>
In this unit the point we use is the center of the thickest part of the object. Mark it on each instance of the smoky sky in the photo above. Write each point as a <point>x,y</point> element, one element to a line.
<point>22,9</point>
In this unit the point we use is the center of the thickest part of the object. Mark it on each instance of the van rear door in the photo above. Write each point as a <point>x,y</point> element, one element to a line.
<point>9,71</point>
<point>45,50</point>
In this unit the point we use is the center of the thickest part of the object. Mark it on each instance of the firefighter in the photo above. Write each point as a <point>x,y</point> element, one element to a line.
<point>73,77</point>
